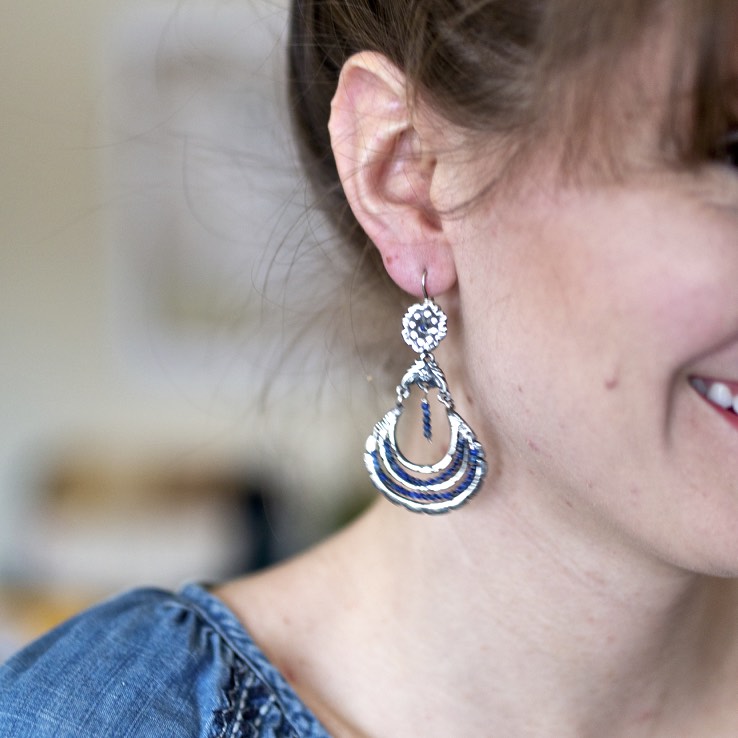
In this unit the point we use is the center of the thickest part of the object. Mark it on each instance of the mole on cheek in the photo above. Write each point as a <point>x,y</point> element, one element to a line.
<point>611,383</point>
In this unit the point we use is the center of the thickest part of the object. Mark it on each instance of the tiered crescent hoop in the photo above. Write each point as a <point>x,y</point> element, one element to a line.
<point>453,479</point>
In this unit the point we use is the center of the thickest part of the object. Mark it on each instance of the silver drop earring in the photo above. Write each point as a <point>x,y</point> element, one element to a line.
<point>450,482</point>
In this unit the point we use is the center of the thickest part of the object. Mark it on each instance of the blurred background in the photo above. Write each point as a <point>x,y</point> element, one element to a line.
<point>156,423</point>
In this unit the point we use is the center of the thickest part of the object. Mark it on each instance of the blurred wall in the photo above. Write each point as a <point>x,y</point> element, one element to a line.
<point>65,387</point>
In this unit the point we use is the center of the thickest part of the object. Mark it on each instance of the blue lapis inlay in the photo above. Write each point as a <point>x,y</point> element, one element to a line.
<point>427,496</point>
<point>426,418</point>
<point>444,476</point>
<point>398,489</point>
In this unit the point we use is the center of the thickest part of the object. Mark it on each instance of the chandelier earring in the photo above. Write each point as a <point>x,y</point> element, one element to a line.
<point>451,481</point>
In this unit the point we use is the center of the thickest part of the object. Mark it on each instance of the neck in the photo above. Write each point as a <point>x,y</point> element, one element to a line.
<point>495,609</point>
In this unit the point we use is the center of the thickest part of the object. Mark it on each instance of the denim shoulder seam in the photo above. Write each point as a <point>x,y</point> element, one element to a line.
<point>249,666</point>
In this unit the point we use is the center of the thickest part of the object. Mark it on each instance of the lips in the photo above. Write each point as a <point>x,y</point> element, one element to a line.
<point>719,393</point>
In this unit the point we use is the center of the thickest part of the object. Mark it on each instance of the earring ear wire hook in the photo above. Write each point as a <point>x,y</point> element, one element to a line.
<point>422,282</point>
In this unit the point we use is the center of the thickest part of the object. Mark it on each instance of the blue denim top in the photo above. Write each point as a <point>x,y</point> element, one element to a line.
<point>150,664</point>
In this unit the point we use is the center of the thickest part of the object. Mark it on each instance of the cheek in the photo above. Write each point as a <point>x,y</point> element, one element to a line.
<point>593,309</point>
<point>610,274</point>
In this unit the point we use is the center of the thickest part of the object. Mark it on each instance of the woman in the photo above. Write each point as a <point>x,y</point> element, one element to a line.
<point>561,177</point>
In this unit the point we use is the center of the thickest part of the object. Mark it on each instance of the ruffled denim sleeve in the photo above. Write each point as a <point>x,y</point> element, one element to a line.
<point>150,664</point>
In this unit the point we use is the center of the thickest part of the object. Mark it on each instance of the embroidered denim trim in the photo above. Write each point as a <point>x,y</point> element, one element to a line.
<point>259,703</point>
<point>251,710</point>
<point>151,663</point>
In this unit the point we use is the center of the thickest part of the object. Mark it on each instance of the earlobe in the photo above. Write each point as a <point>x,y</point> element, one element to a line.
<point>386,165</point>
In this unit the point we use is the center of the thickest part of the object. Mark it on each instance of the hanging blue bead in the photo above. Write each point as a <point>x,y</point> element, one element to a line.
<point>427,432</point>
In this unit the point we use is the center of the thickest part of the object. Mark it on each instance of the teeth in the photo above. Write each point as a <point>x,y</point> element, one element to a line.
<point>720,395</point>
<point>717,393</point>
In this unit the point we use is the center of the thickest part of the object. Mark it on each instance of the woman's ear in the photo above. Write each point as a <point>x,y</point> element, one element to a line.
<point>386,163</point>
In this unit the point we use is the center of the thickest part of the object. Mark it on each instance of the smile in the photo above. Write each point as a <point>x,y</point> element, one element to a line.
<point>717,393</point>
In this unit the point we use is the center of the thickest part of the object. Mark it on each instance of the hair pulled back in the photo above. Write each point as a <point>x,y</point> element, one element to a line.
<point>466,56</point>
<point>504,66</point>
<point>486,65</point>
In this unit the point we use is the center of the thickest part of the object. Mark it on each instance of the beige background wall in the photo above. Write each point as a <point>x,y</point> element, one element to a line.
<point>65,387</point>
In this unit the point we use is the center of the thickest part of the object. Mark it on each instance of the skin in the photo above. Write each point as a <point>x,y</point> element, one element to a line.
<point>584,592</point>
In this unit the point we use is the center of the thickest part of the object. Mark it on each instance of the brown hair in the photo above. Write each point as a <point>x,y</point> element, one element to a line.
<point>496,65</point>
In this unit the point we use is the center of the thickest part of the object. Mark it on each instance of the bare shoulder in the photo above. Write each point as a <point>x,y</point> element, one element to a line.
<point>275,606</point>
<point>310,593</point>
<point>298,615</point>
<point>287,602</point>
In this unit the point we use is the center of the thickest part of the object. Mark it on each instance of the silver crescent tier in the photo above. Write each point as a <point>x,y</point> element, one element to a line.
<point>433,488</point>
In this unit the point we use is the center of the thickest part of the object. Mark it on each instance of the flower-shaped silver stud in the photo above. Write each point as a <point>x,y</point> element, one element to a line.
<point>424,326</point>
